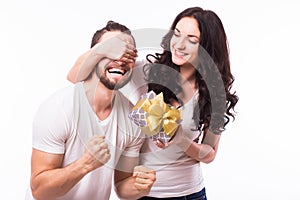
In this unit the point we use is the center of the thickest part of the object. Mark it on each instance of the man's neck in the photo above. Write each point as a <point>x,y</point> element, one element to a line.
<point>100,98</point>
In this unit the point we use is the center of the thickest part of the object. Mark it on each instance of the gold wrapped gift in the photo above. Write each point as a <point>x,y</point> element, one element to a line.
<point>153,115</point>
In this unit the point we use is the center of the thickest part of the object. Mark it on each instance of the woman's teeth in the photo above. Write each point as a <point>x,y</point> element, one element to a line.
<point>179,53</point>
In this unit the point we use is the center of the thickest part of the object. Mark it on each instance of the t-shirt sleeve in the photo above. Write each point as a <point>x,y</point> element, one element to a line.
<point>135,142</point>
<point>50,127</point>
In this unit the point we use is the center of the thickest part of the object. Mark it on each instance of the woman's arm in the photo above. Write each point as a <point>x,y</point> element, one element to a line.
<point>204,152</point>
<point>85,64</point>
<point>207,150</point>
<point>74,75</point>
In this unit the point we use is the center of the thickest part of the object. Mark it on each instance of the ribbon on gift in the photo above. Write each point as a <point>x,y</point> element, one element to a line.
<point>158,115</point>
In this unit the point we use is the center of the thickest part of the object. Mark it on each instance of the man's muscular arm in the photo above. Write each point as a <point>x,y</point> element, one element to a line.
<point>50,180</point>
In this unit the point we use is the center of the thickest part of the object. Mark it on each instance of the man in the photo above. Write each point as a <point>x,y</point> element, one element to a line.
<point>82,135</point>
<point>125,53</point>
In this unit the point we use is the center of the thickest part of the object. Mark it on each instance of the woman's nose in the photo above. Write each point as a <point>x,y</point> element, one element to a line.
<point>180,43</point>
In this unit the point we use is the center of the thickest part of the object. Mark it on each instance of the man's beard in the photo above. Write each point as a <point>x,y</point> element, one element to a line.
<point>112,85</point>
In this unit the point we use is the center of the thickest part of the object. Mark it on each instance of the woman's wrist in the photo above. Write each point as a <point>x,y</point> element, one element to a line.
<point>182,141</point>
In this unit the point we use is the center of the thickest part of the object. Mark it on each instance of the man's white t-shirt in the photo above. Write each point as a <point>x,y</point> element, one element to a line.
<point>65,122</point>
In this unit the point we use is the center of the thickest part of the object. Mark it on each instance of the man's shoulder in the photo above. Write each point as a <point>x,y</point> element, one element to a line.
<point>62,97</point>
<point>124,100</point>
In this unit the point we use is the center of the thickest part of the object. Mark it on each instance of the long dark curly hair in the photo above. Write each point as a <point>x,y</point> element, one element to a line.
<point>213,75</point>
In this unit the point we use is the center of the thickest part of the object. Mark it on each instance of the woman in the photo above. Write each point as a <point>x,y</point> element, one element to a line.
<point>202,89</point>
<point>193,72</point>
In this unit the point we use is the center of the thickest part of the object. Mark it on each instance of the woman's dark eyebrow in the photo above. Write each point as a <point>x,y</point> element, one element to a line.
<point>176,29</point>
<point>188,35</point>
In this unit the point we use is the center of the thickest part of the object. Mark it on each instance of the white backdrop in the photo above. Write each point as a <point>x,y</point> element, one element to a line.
<point>258,156</point>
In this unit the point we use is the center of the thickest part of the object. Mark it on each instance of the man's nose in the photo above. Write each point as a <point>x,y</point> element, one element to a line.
<point>119,62</point>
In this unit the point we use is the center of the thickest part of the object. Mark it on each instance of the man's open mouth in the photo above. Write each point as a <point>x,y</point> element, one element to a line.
<point>117,70</point>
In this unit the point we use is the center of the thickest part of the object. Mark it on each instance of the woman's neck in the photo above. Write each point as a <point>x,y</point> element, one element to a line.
<point>188,74</point>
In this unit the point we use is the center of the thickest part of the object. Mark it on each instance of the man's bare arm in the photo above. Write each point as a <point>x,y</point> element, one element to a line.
<point>134,185</point>
<point>50,180</point>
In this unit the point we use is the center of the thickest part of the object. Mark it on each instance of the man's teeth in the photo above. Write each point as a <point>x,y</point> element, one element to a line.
<point>116,71</point>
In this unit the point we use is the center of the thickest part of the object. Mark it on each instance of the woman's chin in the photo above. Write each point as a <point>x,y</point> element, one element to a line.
<point>178,61</point>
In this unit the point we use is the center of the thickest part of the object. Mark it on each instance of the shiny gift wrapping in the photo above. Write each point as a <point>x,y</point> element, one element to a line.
<point>155,118</point>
